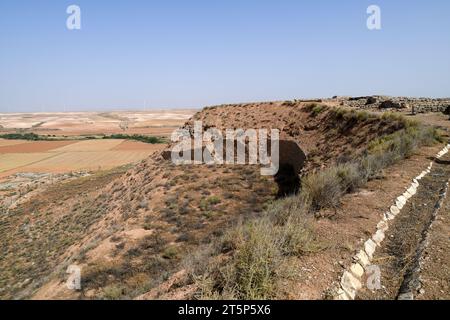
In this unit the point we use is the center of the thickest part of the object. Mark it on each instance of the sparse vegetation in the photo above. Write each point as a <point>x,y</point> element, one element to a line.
<point>112,292</point>
<point>261,247</point>
<point>170,253</point>
<point>24,136</point>
<point>252,259</point>
<point>316,108</point>
<point>137,137</point>
<point>35,137</point>
<point>325,188</point>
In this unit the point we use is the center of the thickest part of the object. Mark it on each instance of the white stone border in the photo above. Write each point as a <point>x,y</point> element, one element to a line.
<point>351,279</point>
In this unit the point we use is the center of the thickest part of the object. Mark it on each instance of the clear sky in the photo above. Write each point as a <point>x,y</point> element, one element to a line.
<point>192,53</point>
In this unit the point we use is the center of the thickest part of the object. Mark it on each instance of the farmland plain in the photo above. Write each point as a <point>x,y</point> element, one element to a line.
<point>68,150</point>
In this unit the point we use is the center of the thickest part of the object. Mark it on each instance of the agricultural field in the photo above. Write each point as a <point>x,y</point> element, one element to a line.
<point>72,124</point>
<point>67,156</point>
<point>65,147</point>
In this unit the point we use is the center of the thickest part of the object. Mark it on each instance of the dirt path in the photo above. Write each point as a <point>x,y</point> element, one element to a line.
<point>435,273</point>
<point>400,254</point>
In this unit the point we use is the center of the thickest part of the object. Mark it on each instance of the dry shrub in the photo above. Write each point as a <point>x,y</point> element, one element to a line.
<point>260,251</point>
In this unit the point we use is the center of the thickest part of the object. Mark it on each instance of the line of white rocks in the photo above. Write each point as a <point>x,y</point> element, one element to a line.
<point>351,279</point>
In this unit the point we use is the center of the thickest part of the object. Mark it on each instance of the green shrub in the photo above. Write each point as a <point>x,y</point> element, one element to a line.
<point>112,292</point>
<point>137,137</point>
<point>323,189</point>
<point>315,108</point>
<point>23,136</point>
<point>170,253</point>
<point>254,269</point>
<point>206,203</point>
<point>213,200</point>
<point>350,177</point>
<point>318,109</point>
<point>363,115</point>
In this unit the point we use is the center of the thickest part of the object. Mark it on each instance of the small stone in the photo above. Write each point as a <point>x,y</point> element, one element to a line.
<point>362,258</point>
<point>399,204</point>
<point>350,284</point>
<point>370,247</point>
<point>378,237</point>
<point>406,296</point>
<point>388,216</point>
<point>394,210</point>
<point>341,295</point>
<point>412,190</point>
<point>407,195</point>
<point>357,270</point>
<point>383,225</point>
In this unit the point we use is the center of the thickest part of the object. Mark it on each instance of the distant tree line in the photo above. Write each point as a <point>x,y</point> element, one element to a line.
<point>35,137</point>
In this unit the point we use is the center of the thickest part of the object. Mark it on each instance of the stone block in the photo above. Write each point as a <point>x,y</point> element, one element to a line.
<point>369,248</point>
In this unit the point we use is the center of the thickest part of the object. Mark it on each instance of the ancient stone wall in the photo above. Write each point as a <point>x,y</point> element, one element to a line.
<point>415,105</point>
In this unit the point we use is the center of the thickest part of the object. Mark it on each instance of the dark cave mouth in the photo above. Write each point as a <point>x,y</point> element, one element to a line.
<point>288,181</point>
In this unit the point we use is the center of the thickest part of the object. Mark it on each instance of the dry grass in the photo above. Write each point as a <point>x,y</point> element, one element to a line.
<point>260,251</point>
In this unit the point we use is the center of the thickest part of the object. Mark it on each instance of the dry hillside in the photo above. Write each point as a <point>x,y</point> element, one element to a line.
<point>136,232</point>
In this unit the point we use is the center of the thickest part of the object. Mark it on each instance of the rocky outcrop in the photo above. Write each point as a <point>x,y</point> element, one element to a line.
<point>389,104</point>
<point>431,107</point>
<point>415,105</point>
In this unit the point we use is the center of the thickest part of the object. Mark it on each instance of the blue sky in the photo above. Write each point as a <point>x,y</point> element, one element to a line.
<point>131,54</point>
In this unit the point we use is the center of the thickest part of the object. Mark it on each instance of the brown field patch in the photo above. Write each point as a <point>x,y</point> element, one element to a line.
<point>10,161</point>
<point>5,143</point>
<point>151,122</point>
<point>73,161</point>
<point>34,147</point>
<point>165,131</point>
<point>90,146</point>
<point>137,145</point>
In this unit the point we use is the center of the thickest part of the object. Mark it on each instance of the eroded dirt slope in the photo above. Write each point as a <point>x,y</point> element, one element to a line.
<point>130,235</point>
